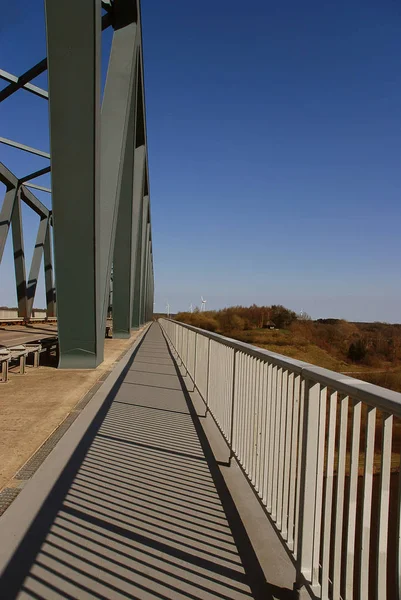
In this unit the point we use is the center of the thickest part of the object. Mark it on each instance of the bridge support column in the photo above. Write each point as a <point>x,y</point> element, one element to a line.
<point>49,277</point>
<point>146,278</point>
<point>145,219</point>
<point>118,108</point>
<point>88,151</point>
<point>73,44</point>
<point>139,176</point>
<point>123,267</point>
<point>99,173</point>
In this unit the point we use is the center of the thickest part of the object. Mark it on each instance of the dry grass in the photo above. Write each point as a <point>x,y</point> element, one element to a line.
<point>292,345</point>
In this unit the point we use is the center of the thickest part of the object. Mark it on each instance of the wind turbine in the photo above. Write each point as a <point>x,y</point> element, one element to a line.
<point>203,305</point>
<point>191,308</point>
<point>168,309</point>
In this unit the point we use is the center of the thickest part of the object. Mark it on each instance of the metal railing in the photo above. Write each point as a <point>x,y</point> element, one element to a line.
<point>322,452</point>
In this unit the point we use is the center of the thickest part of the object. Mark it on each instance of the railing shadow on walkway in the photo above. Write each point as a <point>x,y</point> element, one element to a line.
<point>141,509</point>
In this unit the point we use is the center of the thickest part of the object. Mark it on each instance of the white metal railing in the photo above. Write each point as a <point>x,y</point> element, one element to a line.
<point>321,450</point>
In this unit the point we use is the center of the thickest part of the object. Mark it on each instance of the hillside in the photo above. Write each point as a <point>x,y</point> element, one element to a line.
<point>368,351</point>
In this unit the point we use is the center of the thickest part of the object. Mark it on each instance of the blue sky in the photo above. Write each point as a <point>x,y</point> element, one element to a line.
<point>274,138</point>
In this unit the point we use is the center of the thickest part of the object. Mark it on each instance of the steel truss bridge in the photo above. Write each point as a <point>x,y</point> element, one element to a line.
<point>100,213</point>
<point>202,467</point>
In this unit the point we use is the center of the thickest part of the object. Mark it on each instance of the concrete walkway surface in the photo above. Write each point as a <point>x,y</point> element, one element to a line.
<point>140,510</point>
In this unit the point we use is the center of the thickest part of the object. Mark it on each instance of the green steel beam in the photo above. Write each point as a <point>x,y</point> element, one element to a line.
<point>118,99</point>
<point>139,169</point>
<point>137,271</point>
<point>23,147</point>
<point>6,216</point>
<point>34,89</point>
<point>146,272</point>
<point>144,222</point>
<point>123,268</point>
<point>49,277</point>
<point>30,199</point>
<point>35,264</point>
<point>19,258</point>
<point>99,180</point>
<point>74,66</point>
<point>35,174</point>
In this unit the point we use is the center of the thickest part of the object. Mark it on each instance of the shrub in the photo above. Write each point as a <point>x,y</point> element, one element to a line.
<point>357,350</point>
<point>207,322</point>
<point>282,317</point>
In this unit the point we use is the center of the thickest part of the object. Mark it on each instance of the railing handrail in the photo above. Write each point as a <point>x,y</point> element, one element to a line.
<point>373,395</point>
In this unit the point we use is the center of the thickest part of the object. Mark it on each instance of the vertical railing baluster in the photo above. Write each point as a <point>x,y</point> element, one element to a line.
<point>187,351</point>
<point>287,454</point>
<point>352,499</point>
<point>195,358</point>
<point>246,416</point>
<point>260,441</point>
<point>294,462</point>
<point>266,458</point>
<point>253,432</point>
<point>272,437</point>
<point>233,391</point>
<point>282,443</point>
<point>241,404</point>
<point>240,401</point>
<point>319,486</point>
<point>237,402</point>
<point>384,504</point>
<point>398,538</point>
<point>229,392</point>
<point>308,468</point>
<point>328,502</point>
<point>367,502</point>
<point>339,506</point>
<point>276,453</point>
<point>264,433</point>
<point>208,375</point>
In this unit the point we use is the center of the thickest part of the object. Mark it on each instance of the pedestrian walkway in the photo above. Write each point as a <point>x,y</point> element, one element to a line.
<point>142,511</point>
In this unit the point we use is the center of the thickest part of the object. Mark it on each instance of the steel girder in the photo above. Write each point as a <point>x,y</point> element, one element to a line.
<point>122,267</point>
<point>99,175</point>
<point>73,50</point>
<point>143,289</point>
<point>19,258</point>
<point>10,215</point>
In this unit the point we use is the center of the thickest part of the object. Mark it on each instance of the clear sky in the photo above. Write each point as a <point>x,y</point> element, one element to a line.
<point>274,138</point>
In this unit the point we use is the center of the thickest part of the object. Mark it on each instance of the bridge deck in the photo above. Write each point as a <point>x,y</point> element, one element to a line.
<point>140,510</point>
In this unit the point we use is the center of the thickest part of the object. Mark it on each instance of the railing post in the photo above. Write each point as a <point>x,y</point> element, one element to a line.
<point>187,355</point>
<point>233,405</point>
<point>208,375</point>
<point>196,344</point>
<point>308,482</point>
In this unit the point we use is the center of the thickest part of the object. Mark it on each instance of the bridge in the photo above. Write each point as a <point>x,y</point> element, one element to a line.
<point>197,466</point>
